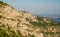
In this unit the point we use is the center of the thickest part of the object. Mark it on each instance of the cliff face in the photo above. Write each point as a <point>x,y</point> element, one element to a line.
<point>14,23</point>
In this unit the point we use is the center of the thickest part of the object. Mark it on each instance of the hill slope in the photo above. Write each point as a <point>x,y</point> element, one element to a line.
<point>14,23</point>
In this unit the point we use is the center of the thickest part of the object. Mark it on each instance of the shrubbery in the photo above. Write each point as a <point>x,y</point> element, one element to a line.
<point>39,24</point>
<point>11,33</point>
<point>0,16</point>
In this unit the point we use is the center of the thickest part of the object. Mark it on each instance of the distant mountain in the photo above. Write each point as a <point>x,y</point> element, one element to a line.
<point>14,23</point>
<point>54,18</point>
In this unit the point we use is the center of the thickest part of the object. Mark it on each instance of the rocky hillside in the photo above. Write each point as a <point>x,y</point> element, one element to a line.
<point>14,23</point>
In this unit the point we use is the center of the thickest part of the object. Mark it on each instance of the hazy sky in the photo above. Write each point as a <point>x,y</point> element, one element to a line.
<point>39,7</point>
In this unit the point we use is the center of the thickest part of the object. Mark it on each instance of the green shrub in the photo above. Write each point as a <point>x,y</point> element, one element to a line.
<point>30,35</point>
<point>27,19</point>
<point>39,18</point>
<point>0,16</point>
<point>3,33</point>
<point>12,19</point>
<point>19,34</point>
<point>39,24</point>
<point>1,2</point>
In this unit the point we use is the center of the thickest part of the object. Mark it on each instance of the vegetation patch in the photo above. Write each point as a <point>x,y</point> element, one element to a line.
<point>39,24</point>
<point>0,16</point>
<point>27,19</point>
<point>39,18</point>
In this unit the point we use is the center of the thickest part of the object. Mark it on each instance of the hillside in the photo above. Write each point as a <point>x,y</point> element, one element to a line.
<point>14,23</point>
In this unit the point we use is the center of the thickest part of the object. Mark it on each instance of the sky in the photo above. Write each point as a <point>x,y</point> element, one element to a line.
<point>37,7</point>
